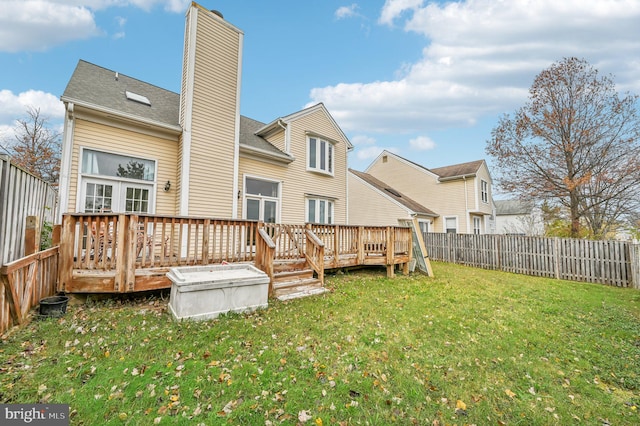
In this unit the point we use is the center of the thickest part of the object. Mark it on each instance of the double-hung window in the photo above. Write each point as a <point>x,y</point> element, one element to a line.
<point>477,223</point>
<point>319,210</point>
<point>451,225</point>
<point>320,155</point>
<point>484,191</point>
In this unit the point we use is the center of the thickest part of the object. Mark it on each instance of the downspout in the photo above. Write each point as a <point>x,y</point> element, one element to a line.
<point>287,137</point>
<point>466,203</point>
<point>65,163</point>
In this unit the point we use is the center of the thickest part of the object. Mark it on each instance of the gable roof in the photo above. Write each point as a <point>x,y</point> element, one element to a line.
<point>268,128</point>
<point>397,196</point>
<point>250,141</point>
<point>458,170</point>
<point>442,173</point>
<point>103,89</point>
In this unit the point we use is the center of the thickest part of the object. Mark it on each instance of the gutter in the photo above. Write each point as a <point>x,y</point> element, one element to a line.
<point>172,128</point>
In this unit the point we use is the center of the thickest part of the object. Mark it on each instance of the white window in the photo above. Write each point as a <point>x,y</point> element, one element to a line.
<point>484,191</point>
<point>477,222</point>
<point>116,183</point>
<point>424,226</point>
<point>451,225</point>
<point>262,199</point>
<point>319,210</point>
<point>319,155</point>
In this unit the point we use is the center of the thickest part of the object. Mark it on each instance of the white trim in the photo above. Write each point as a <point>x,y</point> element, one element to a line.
<point>330,160</point>
<point>278,198</point>
<point>236,149</point>
<point>122,115</point>
<point>190,52</point>
<point>331,204</point>
<point>65,162</point>
<point>84,177</point>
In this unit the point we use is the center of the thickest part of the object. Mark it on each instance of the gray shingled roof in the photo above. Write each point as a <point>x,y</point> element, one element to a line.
<point>97,86</point>
<point>513,207</point>
<point>396,195</point>
<point>458,169</point>
<point>248,137</point>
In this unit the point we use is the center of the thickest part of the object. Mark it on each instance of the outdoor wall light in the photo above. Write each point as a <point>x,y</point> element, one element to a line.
<point>167,186</point>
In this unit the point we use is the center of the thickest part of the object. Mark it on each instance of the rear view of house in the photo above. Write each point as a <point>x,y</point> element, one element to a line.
<point>132,147</point>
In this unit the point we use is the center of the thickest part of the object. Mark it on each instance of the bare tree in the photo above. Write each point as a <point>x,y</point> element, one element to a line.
<point>35,146</point>
<point>575,143</point>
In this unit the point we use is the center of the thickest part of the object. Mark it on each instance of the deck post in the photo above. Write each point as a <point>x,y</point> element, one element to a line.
<point>360,245</point>
<point>130,253</point>
<point>32,235</point>
<point>65,260</point>
<point>390,251</point>
<point>120,277</point>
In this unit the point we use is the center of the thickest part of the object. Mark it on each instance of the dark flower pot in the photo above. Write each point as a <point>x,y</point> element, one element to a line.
<point>54,306</point>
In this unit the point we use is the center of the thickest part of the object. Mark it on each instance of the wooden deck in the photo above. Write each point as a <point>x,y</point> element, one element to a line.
<point>123,253</point>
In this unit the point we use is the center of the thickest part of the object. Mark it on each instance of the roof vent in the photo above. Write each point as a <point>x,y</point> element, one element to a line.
<point>217,12</point>
<point>393,192</point>
<point>137,98</point>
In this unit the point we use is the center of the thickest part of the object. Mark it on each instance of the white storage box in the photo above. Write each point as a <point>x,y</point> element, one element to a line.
<point>204,292</point>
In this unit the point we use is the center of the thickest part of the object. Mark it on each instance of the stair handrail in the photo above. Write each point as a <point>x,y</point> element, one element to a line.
<point>315,254</point>
<point>265,255</point>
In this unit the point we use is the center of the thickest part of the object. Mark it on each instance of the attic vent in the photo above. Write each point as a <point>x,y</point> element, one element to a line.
<point>217,12</point>
<point>137,98</point>
<point>393,192</point>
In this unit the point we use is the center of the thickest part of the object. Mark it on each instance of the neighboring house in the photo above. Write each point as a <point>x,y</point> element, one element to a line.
<point>518,217</point>
<point>458,195</point>
<point>130,146</point>
<point>375,203</point>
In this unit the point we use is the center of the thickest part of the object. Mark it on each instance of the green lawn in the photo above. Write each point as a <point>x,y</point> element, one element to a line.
<point>467,347</point>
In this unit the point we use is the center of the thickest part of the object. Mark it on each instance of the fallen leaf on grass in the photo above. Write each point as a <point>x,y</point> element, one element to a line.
<point>509,393</point>
<point>304,416</point>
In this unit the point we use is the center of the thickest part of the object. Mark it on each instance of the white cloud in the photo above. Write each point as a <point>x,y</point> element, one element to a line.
<point>346,11</point>
<point>360,140</point>
<point>36,25</point>
<point>422,143</point>
<point>392,9</point>
<point>14,106</point>
<point>480,58</point>
<point>372,152</point>
<point>39,24</point>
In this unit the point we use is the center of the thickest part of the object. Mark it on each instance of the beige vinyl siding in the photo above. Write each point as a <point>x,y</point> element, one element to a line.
<point>447,199</point>
<point>369,207</point>
<point>278,140</point>
<point>214,118</point>
<point>88,134</point>
<point>451,201</point>
<point>296,180</point>
<point>303,181</point>
<point>178,162</point>
<point>483,174</point>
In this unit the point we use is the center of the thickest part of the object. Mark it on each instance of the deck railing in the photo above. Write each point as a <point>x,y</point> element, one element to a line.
<point>24,282</point>
<point>128,252</point>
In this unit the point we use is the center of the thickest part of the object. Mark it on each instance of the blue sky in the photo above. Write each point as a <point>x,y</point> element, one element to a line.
<point>425,79</point>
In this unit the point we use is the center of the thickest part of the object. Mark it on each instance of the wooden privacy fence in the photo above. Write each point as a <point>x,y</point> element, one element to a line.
<point>24,282</point>
<point>21,195</point>
<point>615,263</point>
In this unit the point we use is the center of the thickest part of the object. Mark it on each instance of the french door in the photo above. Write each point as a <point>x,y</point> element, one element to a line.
<point>102,196</point>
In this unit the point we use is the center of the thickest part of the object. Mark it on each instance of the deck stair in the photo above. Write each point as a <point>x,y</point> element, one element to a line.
<point>294,279</point>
